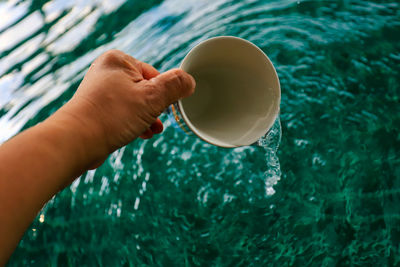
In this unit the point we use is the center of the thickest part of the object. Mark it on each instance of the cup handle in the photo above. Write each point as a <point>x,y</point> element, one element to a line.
<point>176,119</point>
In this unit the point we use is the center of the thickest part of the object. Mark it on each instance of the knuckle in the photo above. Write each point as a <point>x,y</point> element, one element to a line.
<point>150,90</point>
<point>117,59</point>
<point>112,56</point>
<point>179,77</point>
<point>129,58</point>
<point>113,53</point>
<point>153,99</point>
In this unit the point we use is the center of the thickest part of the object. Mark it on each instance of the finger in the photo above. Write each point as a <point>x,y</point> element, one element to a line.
<point>148,71</point>
<point>171,86</point>
<point>117,59</point>
<point>97,164</point>
<point>135,68</point>
<point>157,127</point>
<point>147,134</point>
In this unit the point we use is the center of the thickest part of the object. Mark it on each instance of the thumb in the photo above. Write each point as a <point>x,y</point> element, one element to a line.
<point>171,86</point>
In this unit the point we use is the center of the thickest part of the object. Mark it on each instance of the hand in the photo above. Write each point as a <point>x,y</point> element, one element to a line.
<point>120,99</point>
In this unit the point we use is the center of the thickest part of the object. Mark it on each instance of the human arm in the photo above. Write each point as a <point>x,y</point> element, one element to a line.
<point>119,100</point>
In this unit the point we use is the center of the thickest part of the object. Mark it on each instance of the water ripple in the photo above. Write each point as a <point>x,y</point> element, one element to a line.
<point>336,200</point>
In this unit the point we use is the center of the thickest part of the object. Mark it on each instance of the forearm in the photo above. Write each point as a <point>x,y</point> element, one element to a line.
<point>34,166</point>
<point>119,99</point>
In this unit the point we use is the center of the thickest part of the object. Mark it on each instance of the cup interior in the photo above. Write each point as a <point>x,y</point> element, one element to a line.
<point>237,94</point>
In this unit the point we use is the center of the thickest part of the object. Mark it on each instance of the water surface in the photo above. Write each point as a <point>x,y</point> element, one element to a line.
<point>177,201</point>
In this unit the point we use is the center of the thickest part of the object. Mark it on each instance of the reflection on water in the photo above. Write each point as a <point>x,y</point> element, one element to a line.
<point>175,200</point>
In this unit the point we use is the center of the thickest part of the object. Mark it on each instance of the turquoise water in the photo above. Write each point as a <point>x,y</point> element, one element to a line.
<point>177,201</point>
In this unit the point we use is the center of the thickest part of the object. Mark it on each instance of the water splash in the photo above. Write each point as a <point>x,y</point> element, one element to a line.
<point>270,143</point>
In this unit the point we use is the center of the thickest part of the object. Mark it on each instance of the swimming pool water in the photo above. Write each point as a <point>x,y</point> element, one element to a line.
<point>177,201</point>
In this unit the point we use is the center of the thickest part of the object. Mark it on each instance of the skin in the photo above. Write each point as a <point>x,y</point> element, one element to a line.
<point>119,99</point>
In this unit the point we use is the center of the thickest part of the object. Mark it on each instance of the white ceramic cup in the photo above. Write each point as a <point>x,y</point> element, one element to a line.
<point>237,95</point>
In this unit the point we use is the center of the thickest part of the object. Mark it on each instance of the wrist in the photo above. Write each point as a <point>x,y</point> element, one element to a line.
<point>84,138</point>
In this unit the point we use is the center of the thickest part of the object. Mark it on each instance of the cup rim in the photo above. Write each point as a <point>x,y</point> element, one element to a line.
<point>186,119</point>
